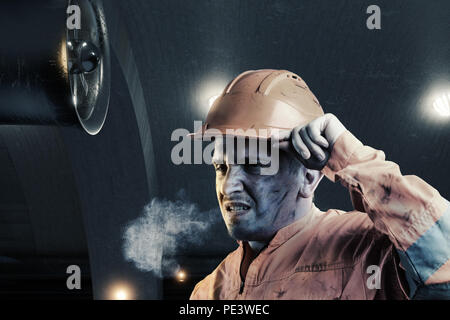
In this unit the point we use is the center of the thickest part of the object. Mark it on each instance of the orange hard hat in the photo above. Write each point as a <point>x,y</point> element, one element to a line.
<point>262,99</point>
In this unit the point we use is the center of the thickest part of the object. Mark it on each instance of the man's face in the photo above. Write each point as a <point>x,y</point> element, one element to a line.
<point>254,206</point>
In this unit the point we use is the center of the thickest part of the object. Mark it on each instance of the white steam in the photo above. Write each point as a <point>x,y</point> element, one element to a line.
<point>152,240</point>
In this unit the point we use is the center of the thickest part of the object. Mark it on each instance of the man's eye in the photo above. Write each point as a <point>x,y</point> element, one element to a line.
<point>255,168</point>
<point>252,168</point>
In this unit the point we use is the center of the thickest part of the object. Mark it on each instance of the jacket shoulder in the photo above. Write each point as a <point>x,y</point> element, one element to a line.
<point>343,237</point>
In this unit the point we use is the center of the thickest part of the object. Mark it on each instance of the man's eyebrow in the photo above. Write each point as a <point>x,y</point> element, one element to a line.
<point>256,158</point>
<point>247,158</point>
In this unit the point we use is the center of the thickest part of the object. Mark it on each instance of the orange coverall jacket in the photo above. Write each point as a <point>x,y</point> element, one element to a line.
<point>395,245</point>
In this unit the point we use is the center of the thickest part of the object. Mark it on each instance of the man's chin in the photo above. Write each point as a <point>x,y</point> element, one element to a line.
<point>239,225</point>
<point>241,234</point>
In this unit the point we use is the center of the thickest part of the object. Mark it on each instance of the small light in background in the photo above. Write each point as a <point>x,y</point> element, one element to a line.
<point>435,102</point>
<point>120,291</point>
<point>206,92</point>
<point>181,275</point>
<point>63,57</point>
<point>213,99</point>
<point>442,105</point>
<point>121,294</point>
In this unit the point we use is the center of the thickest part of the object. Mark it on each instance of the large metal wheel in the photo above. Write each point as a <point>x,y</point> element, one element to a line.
<point>51,74</point>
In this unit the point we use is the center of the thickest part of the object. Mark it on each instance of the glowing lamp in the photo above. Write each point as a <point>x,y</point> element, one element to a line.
<point>442,105</point>
<point>181,276</point>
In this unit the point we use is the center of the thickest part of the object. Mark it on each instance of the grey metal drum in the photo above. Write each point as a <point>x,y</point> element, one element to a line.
<point>52,74</point>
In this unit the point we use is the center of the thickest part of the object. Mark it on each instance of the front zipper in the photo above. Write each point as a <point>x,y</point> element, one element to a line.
<point>241,289</point>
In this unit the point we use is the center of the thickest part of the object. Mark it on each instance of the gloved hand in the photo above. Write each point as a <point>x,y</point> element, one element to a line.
<point>312,144</point>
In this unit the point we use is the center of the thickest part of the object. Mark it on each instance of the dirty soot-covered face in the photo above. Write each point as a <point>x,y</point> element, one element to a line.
<point>255,206</point>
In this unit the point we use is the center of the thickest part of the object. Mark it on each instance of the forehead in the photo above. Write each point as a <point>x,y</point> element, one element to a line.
<point>228,149</point>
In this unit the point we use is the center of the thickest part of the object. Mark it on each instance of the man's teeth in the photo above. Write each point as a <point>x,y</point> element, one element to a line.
<point>237,208</point>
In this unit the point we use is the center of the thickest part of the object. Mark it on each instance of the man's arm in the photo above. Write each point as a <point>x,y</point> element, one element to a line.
<point>412,213</point>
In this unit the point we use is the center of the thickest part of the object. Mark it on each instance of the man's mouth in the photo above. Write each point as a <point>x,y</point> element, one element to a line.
<point>236,207</point>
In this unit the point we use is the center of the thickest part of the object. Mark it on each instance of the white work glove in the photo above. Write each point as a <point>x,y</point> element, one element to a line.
<point>321,132</point>
<point>310,139</point>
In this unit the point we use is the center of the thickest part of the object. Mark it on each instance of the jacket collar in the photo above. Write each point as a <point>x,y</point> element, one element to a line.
<point>290,230</point>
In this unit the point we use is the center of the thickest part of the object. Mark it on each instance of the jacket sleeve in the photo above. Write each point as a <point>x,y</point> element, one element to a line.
<point>412,213</point>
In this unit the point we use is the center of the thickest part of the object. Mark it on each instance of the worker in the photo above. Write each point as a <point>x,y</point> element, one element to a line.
<point>395,244</point>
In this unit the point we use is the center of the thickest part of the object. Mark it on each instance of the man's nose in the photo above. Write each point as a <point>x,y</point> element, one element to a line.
<point>232,181</point>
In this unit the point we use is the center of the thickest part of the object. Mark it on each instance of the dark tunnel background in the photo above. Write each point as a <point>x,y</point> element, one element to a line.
<point>65,197</point>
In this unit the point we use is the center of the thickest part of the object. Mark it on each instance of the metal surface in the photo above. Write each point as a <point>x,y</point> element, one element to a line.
<point>89,68</point>
<point>49,74</point>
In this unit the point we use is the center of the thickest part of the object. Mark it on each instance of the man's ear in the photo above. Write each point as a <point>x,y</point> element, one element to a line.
<point>309,182</point>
